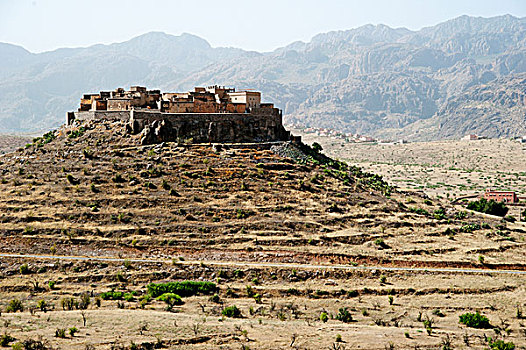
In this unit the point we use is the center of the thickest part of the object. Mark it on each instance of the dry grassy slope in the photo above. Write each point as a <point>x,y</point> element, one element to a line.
<point>173,198</point>
<point>100,194</point>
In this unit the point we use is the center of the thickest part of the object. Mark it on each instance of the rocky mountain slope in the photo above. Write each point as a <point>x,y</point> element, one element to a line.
<point>373,79</point>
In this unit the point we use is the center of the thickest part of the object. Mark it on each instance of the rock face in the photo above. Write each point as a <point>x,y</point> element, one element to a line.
<point>372,80</point>
<point>156,127</point>
<point>496,109</point>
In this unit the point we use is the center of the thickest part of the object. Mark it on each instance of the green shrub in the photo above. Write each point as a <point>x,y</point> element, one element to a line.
<point>474,320</point>
<point>324,317</point>
<point>488,207</point>
<point>113,295</point>
<point>439,214</point>
<point>419,211</point>
<point>380,243</point>
<point>118,178</point>
<point>14,306</point>
<point>24,269</point>
<point>215,298</point>
<point>42,305</point>
<point>171,299</point>
<point>501,345</point>
<point>60,333</point>
<point>77,133</point>
<point>69,304</point>
<point>85,301</point>
<point>72,331</point>
<point>71,179</point>
<point>5,339</point>
<point>344,315</point>
<point>231,311</point>
<point>316,147</point>
<point>51,284</point>
<point>183,288</point>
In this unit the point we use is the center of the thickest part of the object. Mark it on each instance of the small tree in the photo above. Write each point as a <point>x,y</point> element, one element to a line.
<point>488,207</point>
<point>171,299</point>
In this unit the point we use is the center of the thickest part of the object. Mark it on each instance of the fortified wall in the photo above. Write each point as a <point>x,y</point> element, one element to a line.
<point>213,114</point>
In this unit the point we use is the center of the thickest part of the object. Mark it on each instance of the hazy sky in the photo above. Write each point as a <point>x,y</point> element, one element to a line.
<point>42,25</point>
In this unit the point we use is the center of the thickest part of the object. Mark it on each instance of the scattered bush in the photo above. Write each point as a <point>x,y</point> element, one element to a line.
<point>215,298</point>
<point>474,320</point>
<point>324,317</point>
<point>231,311</point>
<point>85,301</point>
<point>69,304</point>
<point>500,345</point>
<point>316,147</point>
<point>77,133</point>
<point>72,180</point>
<point>380,243</point>
<point>5,339</point>
<point>24,269</point>
<point>14,306</point>
<point>72,331</point>
<point>52,284</point>
<point>344,315</point>
<point>42,305</point>
<point>60,333</point>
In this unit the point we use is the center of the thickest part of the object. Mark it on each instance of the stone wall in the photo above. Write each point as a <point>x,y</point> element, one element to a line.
<point>264,125</point>
<point>208,127</point>
<point>94,115</point>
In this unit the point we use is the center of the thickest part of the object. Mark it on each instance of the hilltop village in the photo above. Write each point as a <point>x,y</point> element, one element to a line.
<point>212,99</point>
<point>207,114</point>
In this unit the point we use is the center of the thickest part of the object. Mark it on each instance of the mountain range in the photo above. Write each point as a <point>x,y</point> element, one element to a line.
<point>466,75</point>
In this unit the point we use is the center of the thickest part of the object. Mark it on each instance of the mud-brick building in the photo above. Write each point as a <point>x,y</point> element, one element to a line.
<point>206,114</point>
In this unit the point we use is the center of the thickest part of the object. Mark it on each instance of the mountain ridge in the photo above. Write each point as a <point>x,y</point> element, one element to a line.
<point>369,79</point>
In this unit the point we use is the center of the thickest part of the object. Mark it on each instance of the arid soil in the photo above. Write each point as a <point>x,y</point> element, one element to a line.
<point>447,169</point>
<point>279,236</point>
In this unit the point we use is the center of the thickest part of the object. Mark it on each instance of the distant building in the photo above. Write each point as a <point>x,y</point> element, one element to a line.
<point>501,196</point>
<point>366,139</point>
<point>470,137</point>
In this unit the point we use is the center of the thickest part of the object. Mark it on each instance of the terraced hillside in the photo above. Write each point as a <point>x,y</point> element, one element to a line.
<point>287,235</point>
